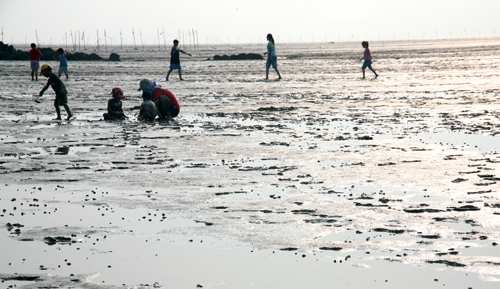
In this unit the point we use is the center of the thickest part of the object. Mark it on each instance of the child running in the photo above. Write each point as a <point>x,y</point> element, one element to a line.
<point>63,62</point>
<point>115,111</point>
<point>59,88</point>
<point>35,61</point>
<point>175,62</point>
<point>368,59</point>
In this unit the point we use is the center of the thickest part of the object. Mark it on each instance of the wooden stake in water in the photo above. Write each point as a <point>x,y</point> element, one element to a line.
<point>36,34</point>
<point>83,38</point>
<point>121,40</point>
<point>158,34</point>
<point>135,44</point>
<point>164,40</point>
<point>105,41</point>
<point>97,39</point>
<point>142,43</point>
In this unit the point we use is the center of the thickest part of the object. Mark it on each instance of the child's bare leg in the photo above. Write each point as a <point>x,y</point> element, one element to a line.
<point>58,111</point>
<point>363,73</point>
<point>32,75</point>
<point>277,71</point>
<point>168,74</point>
<point>267,73</point>
<point>66,107</point>
<point>373,70</point>
<point>180,75</point>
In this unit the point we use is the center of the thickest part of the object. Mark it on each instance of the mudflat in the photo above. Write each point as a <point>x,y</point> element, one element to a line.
<point>319,180</point>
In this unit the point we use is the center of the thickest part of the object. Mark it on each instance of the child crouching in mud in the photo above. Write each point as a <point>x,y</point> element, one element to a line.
<point>165,100</point>
<point>148,107</point>
<point>115,111</point>
<point>59,88</point>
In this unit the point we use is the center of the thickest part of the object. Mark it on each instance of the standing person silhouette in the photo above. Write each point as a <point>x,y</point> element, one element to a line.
<point>272,59</point>
<point>34,61</point>
<point>175,62</point>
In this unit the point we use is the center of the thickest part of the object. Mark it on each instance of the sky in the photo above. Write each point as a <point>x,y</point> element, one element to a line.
<point>241,22</point>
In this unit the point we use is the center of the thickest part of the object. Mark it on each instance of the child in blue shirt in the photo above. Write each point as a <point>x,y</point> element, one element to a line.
<point>63,62</point>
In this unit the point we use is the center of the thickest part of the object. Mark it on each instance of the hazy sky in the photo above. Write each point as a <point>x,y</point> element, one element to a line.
<point>238,21</point>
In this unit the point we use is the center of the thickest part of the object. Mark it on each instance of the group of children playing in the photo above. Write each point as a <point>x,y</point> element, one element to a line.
<point>157,101</point>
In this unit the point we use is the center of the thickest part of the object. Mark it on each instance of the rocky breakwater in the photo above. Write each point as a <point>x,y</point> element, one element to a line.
<point>8,52</point>
<point>241,56</point>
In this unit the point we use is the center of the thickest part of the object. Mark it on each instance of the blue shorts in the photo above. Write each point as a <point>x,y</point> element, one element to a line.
<point>367,63</point>
<point>63,69</point>
<point>272,60</point>
<point>175,66</point>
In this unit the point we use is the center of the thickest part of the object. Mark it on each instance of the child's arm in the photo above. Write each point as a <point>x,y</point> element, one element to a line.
<point>44,88</point>
<point>185,52</point>
<point>39,52</point>
<point>67,53</point>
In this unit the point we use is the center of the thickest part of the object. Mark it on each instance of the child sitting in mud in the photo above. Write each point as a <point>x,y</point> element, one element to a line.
<point>148,108</point>
<point>115,111</point>
<point>165,101</point>
<point>59,88</point>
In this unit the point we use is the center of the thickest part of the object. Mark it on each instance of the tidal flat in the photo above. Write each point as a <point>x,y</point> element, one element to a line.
<point>319,180</point>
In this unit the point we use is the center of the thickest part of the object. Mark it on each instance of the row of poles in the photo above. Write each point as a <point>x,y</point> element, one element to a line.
<point>78,37</point>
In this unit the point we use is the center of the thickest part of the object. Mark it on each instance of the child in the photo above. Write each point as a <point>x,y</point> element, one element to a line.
<point>368,59</point>
<point>165,100</point>
<point>59,88</point>
<point>148,108</point>
<point>175,62</point>
<point>35,61</point>
<point>272,59</point>
<point>115,111</point>
<point>63,62</point>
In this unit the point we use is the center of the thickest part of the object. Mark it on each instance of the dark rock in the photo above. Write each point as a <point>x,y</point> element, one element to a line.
<point>114,57</point>
<point>241,56</point>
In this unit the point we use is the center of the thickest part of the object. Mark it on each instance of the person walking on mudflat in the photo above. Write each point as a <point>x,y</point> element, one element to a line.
<point>175,62</point>
<point>272,59</point>
<point>368,59</point>
<point>58,86</point>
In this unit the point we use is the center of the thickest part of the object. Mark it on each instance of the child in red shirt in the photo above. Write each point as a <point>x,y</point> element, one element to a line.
<point>34,61</point>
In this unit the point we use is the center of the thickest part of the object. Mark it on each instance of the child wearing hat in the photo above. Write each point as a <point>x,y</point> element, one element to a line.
<point>115,111</point>
<point>59,88</point>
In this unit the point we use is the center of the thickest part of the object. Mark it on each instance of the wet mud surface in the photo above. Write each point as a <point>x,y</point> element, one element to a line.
<point>314,180</point>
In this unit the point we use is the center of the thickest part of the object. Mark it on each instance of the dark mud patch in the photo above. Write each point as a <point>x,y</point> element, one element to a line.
<point>289,249</point>
<point>465,208</point>
<point>419,211</point>
<point>57,240</point>
<point>391,231</point>
<point>430,236</point>
<point>446,262</point>
<point>273,109</point>
<point>330,248</point>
